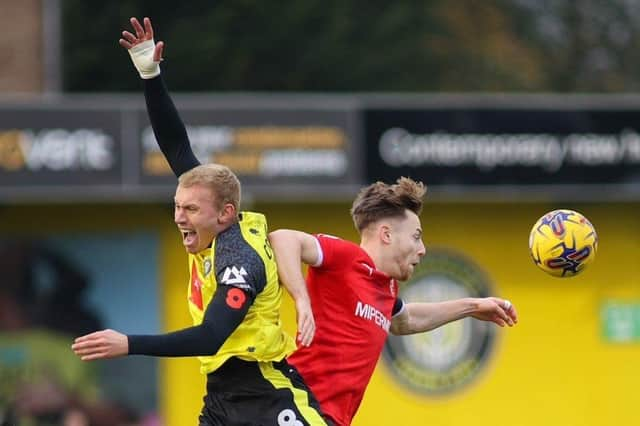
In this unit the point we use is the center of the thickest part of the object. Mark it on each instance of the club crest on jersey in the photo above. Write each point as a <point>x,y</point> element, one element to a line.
<point>207,267</point>
<point>234,276</point>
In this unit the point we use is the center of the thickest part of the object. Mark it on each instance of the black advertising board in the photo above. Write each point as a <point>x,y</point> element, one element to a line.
<point>292,146</point>
<point>59,147</point>
<point>504,147</point>
<point>103,148</point>
<point>303,147</point>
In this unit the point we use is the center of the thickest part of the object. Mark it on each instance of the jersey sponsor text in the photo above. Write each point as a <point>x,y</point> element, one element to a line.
<point>368,312</point>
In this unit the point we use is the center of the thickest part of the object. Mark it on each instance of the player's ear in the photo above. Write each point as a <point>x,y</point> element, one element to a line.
<point>227,214</point>
<point>384,233</point>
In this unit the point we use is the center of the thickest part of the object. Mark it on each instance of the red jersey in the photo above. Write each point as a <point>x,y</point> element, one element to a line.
<point>353,304</point>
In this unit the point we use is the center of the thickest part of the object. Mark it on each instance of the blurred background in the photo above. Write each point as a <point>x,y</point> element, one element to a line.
<point>506,109</point>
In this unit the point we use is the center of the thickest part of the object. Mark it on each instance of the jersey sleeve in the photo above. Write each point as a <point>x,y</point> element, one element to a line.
<point>168,128</point>
<point>238,265</point>
<point>224,314</point>
<point>333,252</point>
<point>398,307</point>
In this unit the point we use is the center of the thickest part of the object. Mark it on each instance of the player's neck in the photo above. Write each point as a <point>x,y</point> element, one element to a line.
<point>376,254</point>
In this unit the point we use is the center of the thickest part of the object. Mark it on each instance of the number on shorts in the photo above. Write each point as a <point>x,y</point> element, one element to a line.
<point>288,418</point>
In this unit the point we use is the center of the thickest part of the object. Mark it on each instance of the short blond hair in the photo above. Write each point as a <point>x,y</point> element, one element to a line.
<point>220,179</point>
<point>381,201</point>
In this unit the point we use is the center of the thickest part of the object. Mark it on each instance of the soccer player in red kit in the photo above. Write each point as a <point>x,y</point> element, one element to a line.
<point>354,294</point>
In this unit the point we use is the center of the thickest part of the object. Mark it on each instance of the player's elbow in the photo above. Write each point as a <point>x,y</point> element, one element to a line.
<point>212,339</point>
<point>399,328</point>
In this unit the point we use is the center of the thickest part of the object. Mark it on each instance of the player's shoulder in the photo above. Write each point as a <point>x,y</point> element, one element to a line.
<point>237,261</point>
<point>255,219</point>
<point>336,252</point>
<point>336,241</point>
<point>235,245</point>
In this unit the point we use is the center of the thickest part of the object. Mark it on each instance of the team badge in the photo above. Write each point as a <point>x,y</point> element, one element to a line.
<point>207,267</point>
<point>449,357</point>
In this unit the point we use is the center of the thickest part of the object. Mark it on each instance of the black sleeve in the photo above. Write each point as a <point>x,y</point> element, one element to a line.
<point>224,314</point>
<point>168,127</point>
<point>398,306</point>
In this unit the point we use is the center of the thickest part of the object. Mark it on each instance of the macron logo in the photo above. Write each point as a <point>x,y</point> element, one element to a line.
<point>368,312</point>
<point>233,275</point>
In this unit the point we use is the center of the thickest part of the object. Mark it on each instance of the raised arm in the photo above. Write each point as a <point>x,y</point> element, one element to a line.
<point>291,247</point>
<point>167,125</point>
<point>421,317</point>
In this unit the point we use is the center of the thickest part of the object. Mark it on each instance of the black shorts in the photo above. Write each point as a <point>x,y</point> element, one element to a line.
<point>250,393</point>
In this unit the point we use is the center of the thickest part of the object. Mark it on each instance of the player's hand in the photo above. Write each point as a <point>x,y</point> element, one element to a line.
<point>496,310</point>
<point>101,345</point>
<point>305,320</point>
<point>145,53</point>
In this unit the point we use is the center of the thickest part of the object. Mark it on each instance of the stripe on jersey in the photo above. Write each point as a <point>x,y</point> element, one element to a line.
<point>279,380</point>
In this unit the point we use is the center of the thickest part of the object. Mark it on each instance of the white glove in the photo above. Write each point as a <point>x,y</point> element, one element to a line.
<point>142,57</point>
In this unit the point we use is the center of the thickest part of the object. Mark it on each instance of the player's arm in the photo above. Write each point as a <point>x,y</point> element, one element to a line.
<point>166,123</point>
<point>421,317</point>
<point>291,247</point>
<point>224,314</point>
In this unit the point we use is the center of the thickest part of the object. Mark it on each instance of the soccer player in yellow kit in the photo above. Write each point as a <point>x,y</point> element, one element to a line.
<point>234,294</point>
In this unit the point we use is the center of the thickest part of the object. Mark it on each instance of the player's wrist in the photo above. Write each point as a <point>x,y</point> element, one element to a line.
<point>471,306</point>
<point>142,58</point>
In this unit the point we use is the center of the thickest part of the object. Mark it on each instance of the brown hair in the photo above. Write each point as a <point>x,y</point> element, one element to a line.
<point>220,179</point>
<point>380,200</point>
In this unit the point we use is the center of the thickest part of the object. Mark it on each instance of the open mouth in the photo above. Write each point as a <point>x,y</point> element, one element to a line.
<point>188,237</point>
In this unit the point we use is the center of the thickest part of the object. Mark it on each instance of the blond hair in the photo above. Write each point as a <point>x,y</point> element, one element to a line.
<point>220,179</point>
<point>381,201</point>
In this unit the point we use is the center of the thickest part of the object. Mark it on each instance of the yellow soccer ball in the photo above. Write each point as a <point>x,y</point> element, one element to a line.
<point>563,243</point>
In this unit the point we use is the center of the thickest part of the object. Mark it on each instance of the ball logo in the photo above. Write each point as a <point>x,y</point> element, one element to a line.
<point>555,220</point>
<point>449,357</point>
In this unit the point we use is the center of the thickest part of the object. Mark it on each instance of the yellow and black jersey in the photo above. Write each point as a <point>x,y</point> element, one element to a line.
<point>234,298</point>
<point>240,257</point>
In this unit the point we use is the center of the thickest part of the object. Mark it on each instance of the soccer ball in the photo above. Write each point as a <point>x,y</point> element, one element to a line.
<point>562,243</point>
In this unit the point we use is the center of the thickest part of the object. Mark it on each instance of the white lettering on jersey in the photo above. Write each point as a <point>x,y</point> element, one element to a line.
<point>233,275</point>
<point>368,312</point>
<point>288,418</point>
